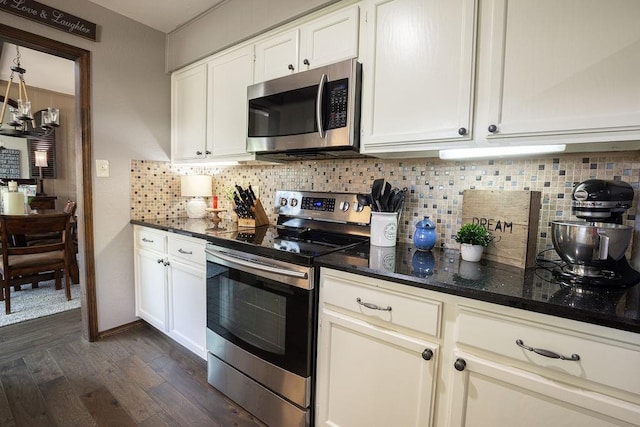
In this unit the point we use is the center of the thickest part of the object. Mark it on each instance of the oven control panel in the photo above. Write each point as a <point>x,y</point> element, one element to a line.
<point>337,207</point>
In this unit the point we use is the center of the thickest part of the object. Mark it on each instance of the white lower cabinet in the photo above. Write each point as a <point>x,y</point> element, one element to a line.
<point>372,371</point>
<point>490,365</point>
<point>486,393</point>
<point>359,385</point>
<point>151,288</point>
<point>170,281</point>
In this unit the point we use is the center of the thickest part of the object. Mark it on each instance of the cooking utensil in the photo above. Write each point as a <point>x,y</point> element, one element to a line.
<point>364,200</point>
<point>376,188</point>
<point>385,193</point>
<point>396,200</point>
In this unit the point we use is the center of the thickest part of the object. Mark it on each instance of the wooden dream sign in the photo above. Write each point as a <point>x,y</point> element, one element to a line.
<point>512,217</point>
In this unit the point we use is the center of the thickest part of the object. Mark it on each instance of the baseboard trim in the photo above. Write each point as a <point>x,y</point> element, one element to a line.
<point>119,329</point>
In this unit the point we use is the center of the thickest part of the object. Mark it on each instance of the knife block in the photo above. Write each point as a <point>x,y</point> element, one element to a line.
<point>259,217</point>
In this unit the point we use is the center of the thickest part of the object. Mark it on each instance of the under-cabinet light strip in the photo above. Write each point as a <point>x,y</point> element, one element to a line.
<point>493,152</point>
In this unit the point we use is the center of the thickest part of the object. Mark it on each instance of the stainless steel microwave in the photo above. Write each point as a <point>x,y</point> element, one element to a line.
<point>311,114</point>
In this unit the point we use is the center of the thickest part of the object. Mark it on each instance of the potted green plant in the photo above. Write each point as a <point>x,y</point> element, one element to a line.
<point>473,238</point>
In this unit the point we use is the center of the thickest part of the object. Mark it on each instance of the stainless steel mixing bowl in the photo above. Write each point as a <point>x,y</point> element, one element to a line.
<point>595,244</point>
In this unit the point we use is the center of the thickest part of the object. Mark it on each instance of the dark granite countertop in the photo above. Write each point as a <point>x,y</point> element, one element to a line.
<point>530,289</point>
<point>441,270</point>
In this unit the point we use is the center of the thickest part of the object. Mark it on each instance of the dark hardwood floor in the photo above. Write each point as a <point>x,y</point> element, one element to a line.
<point>50,376</point>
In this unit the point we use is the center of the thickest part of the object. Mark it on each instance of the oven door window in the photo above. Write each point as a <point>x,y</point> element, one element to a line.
<point>270,320</point>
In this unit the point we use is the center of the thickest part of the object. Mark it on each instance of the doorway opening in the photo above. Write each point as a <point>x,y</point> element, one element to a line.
<point>83,149</point>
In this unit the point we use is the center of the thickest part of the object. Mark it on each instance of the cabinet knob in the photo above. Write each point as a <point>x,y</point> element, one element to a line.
<point>427,354</point>
<point>198,153</point>
<point>160,260</point>
<point>493,128</point>
<point>460,364</point>
<point>290,66</point>
<point>462,131</point>
<point>306,61</point>
<point>207,152</point>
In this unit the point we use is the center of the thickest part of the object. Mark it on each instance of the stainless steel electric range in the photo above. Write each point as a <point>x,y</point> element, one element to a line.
<point>262,302</point>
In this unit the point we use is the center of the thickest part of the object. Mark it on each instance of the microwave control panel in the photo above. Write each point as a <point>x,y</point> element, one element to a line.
<point>337,103</point>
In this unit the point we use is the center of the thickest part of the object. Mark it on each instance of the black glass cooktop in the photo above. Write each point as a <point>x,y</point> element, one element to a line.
<point>296,246</point>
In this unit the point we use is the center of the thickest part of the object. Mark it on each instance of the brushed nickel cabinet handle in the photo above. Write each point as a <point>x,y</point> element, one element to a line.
<point>373,306</point>
<point>547,353</point>
<point>182,251</point>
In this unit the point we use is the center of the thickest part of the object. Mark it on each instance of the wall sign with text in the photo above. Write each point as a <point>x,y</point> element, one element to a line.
<point>50,16</point>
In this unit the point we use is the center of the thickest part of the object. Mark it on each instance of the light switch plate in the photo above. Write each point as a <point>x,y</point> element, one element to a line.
<point>102,168</point>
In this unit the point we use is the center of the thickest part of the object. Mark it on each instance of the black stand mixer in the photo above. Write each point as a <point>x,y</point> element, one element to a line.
<point>594,249</point>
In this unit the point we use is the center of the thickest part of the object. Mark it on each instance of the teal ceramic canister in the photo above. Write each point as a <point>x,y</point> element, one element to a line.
<point>424,237</point>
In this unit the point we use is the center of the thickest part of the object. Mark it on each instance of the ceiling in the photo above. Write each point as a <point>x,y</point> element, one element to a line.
<point>40,67</point>
<point>163,15</point>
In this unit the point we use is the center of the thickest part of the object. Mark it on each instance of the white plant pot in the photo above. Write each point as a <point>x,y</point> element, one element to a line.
<point>471,253</point>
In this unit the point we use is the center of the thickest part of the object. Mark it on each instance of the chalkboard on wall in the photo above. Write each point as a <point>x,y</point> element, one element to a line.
<point>10,163</point>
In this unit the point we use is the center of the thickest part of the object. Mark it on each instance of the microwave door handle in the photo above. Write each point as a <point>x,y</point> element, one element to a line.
<point>323,80</point>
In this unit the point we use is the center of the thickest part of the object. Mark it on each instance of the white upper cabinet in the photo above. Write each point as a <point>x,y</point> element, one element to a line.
<point>417,74</point>
<point>277,56</point>
<point>228,78</point>
<point>563,70</point>
<point>328,39</point>
<point>544,71</point>
<point>209,108</point>
<point>188,113</point>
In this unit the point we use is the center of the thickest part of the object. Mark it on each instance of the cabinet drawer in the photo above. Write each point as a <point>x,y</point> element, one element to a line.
<point>407,311</point>
<point>187,249</point>
<point>601,360</point>
<point>151,239</point>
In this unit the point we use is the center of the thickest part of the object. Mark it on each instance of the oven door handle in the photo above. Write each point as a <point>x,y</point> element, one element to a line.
<point>256,266</point>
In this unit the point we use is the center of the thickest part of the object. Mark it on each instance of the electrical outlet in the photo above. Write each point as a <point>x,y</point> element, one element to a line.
<point>102,168</point>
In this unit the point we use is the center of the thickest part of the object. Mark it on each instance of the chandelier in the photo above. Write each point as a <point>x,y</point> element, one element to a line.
<point>20,122</point>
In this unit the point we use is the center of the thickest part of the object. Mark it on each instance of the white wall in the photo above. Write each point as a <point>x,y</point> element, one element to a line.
<point>230,23</point>
<point>131,118</point>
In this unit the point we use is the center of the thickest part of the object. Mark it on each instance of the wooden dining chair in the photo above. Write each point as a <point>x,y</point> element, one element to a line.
<point>27,263</point>
<point>38,239</point>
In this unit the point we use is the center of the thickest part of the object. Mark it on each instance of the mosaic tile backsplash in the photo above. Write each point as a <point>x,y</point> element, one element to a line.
<point>435,187</point>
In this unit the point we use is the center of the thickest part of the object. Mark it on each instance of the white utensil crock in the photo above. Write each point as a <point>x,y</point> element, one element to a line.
<point>384,228</point>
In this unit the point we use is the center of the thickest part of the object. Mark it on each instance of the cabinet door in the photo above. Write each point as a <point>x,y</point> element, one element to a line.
<point>151,288</point>
<point>417,74</point>
<point>276,56</point>
<point>371,376</point>
<point>485,393</point>
<point>330,39</point>
<point>188,113</point>
<point>561,68</point>
<point>188,318</point>
<point>229,76</point>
